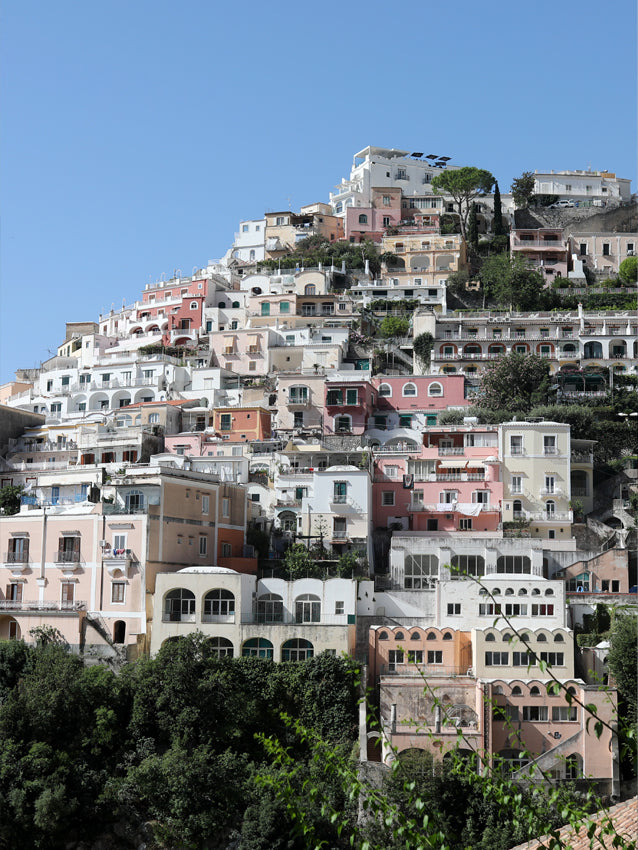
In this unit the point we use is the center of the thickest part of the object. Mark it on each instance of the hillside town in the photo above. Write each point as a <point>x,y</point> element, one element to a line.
<point>293,450</point>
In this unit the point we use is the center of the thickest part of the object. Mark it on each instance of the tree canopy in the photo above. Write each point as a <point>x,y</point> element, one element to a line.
<point>523,189</point>
<point>514,382</point>
<point>509,282</point>
<point>463,185</point>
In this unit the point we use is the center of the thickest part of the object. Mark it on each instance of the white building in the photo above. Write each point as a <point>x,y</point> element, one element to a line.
<point>249,242</point>
<point>583,186</point>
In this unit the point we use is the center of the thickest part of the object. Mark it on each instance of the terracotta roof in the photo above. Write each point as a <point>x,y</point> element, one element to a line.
<point>623,817</point>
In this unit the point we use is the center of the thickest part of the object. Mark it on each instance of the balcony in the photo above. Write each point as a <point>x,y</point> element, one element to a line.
<point>67,557</point>
<point>13,605</point>
<point>445,451</point>
<point>547,516</point>
<point>428,670</point>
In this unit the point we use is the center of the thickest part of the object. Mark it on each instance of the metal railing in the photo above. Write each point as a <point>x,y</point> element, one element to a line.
<point>37,605</point>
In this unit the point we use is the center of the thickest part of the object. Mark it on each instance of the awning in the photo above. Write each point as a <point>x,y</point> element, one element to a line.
<point>476,464</point>
<point>453,464</point>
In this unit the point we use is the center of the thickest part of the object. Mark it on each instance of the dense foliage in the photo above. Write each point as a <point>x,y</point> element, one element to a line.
<point>463,185</point>
<point>515,382</point>
<point>170,742</point>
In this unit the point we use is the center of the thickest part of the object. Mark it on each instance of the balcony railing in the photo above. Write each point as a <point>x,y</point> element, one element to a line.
<point>64,557</point>
<point>426,670</point>
<point>37,605</point>
<point>17,557</point>
<point>451,450</point>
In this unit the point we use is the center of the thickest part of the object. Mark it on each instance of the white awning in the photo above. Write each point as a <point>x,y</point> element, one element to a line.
<point>453,464</point>
<point>476,464</point>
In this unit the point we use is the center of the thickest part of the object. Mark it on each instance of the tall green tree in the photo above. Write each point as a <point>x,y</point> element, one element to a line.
<point>463,185</point>
<point>509,282</point>
<point>523,190</point>
<point>622,661</point>
<point>515,382</point>
<point>472,230</point>
<point>628,270</point>
<point>497,222</point>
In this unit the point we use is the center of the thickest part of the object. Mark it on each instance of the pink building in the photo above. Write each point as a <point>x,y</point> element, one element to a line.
<point>545,249</point>
<point>427,394</point>
<point>349,403</point>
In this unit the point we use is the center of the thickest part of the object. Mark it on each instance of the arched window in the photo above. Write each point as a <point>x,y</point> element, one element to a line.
<point>221,646</point>
<point>524,638</point>
<point>399,636</point>
<point>535,591</point>
<point>179,606</point>
<point>509,591</point>
<point>194,305</point>
<point>236,304</point>
<point>559,638</point>
<point>257,648</point>
<point>222,305</point>
<point>339,207</point>
<point>534,691</point>
<point>507,637</point>
<point>310,289</point>
<point>496,591</point>
<point>549,592</point>
<point>385,390</point>
<point>297,649</point>
<point>270,608</point>
<point>435,389</point>
<point>447,636</point>
<point>343,424</point>
<point>550,507</point>
<point>498,690</point>
<point>516,691</point>
<point>219,603</point>
<point>409,390</point>
<point>420,571</point>
<point>522,592</point>
<point>490,636</point>
<point>119,631</point>
<point>431,636</point>
<point>573,767</point>
<point>363,218</point>
<point>307,608</point>
<point>383,635</point>
<point>542,638</point>
<point>415,636</point>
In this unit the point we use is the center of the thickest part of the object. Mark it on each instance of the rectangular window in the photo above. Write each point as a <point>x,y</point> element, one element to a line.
<point>340,492</point>
<point>203,544</point>
<point>205,504</point>
<point>340,607</point>
<point>284,307</point>
<point>550,484</point>
<point>516,486</point>
<point>395,656</point>
<point>486,609</point>
<point>352,397</point>
<point>435,656</point>
<point>514,609</point>
<point>535,713</point>
<point>549,445</point>
<point>465,524</point>
<point>227,550</point>
<point>454,608</point>
<point>564,713</point>
<point>68,594</point>
<point>225,507</point>
<point>118,591</point>
<point>405,420</point>
<point>554,659</point>
<point>516,445</point>
<point>387,498</point>
<point>386,221</point>
<point>523,659</point>
<point>415,656</point>
<point>606,252</point>
<point>583,249</point>
<point>496,659</point>
<point>226,422</point>
<point>335,397</point>
<point>542,610</point>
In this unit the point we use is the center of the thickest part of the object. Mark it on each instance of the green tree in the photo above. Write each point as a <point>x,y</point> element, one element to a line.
<point>456,282</point>
<point>515,382</point>
<point>628,270</point>
<point>393,326</point>
<point>523,189</point>
<point>497,222</point>
<point>463,185</point>
<point>472,230</point>
<point>298,563</point>
<point>622,661</point>
<point>509,282</point>
<point>423,348</point>
<point>10,499</point>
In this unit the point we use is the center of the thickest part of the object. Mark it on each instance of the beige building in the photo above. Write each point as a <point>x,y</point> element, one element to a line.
<point>536,462</point>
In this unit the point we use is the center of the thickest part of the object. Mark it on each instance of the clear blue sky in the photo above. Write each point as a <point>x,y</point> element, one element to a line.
<point>135,134</point>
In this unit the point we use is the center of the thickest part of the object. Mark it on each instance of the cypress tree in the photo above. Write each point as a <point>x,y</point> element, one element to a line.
<point>497,223</point>
<point>472,230</point>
